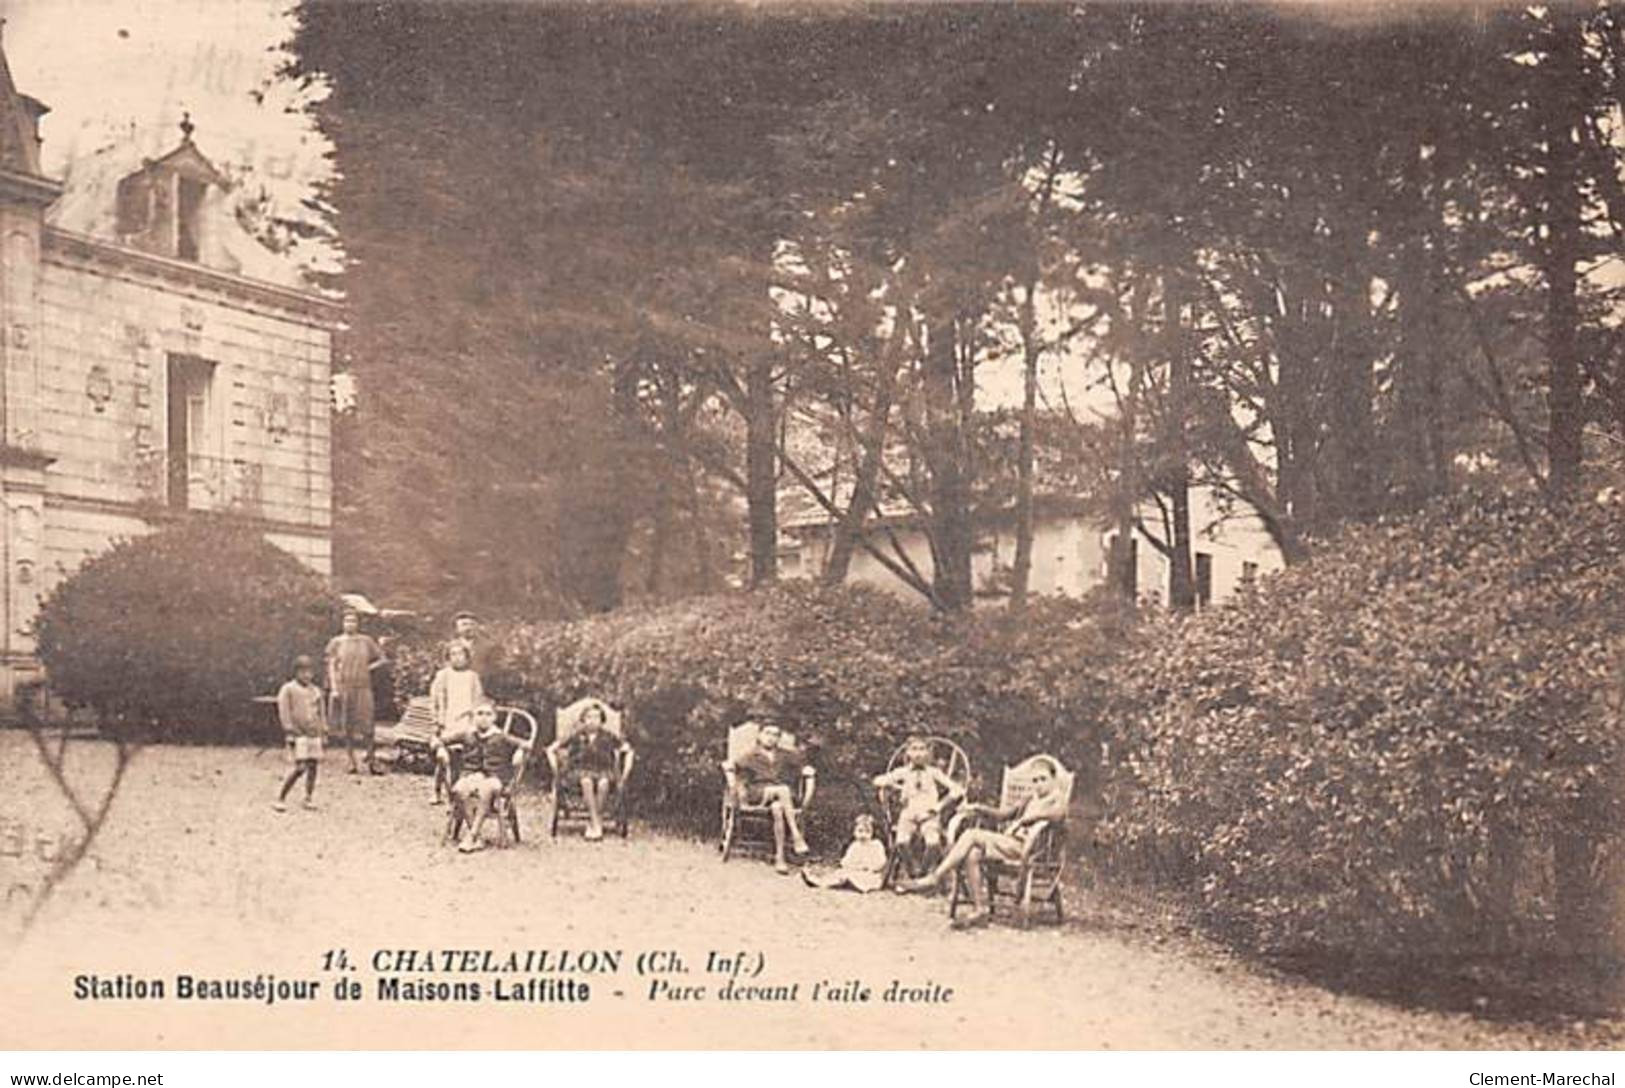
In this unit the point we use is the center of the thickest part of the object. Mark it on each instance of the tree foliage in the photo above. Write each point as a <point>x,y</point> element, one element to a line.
<point>1335,266</point>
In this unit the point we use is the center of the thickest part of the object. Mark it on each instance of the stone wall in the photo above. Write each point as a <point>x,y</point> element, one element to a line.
<point>110,330</point>
<point>94,338</point>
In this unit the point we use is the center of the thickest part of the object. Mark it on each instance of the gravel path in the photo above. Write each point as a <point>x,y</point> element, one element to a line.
<point>194,873</point>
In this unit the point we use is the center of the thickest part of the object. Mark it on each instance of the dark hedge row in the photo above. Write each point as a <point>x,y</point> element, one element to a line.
<point>849,670</point>
<point>1406,746</point>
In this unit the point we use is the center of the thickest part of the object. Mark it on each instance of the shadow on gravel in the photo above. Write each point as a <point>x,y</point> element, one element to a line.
<point>1549,990</point>
<point>1582,996</point>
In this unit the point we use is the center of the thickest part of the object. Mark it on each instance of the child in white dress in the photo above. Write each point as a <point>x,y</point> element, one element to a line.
<point>863,866</point>
<point>453,694</point>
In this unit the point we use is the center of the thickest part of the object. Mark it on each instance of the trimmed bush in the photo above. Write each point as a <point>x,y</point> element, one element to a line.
<point>848,670</point>
<point>171,635</point>
<point>1403,747</point>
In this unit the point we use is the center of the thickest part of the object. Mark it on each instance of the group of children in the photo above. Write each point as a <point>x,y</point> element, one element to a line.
<point>465,717</point>
<point>922,793</point>
<point>307,713</point>
<point>768,774</point>
<point>596,760</point>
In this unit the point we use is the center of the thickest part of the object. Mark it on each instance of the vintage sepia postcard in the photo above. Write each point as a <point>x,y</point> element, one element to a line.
<point>790,525</point>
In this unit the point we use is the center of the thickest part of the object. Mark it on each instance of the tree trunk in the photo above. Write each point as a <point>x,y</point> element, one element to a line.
<point>867,476</point>
<point>1181,581</point>
<point>952,534</point>
<point>1581,922</point>
<point>597,512</point>
<point>1032,351</point>
<point>761,471</point>
<point>1297,445</point>
<point>659,539</point>
<point>1177,481</point>
<point>1423,469</point>
<point>1564,112</point>
<point>1123,560</point>
<point>704,564</point>
<point>1022,567</point>
<point>1350,439</point>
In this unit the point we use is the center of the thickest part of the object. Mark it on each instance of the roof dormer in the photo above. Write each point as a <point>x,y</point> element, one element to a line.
<point>161,205</point>
<point>20,142</point>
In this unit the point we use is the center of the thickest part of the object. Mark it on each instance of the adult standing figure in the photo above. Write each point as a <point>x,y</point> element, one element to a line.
<point>485,656</point>
<point>351,659</point>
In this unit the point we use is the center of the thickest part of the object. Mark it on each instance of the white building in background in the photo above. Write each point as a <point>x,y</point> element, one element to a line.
<point>1070,550</point>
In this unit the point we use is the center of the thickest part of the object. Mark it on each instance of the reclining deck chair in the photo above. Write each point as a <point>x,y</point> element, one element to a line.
<point>1036,880</point>
<point>415,734</point>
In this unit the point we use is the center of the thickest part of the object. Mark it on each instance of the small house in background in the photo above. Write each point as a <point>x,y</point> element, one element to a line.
<point>1071,546</point>
<point>155,359</point>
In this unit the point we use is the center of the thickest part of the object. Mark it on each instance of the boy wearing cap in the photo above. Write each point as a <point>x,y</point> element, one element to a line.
<point>299,709</point>
<point>485,655</point>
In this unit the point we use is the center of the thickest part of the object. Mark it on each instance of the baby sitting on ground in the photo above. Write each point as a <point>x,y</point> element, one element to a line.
<point>863,866</point>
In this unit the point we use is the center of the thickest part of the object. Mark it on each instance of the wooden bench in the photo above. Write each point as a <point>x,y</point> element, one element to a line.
<point>415,734</point>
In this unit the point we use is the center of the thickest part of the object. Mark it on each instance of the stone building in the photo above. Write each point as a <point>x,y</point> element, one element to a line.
<point>155,359</point>
<point>1070,558</point>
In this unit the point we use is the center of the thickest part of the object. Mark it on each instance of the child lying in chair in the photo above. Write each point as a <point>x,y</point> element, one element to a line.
<point>863,866</point>
<point>1007,844</point>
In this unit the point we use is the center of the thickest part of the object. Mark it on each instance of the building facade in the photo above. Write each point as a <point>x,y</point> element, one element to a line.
<point>1070,558</point>
<point>154,360</point>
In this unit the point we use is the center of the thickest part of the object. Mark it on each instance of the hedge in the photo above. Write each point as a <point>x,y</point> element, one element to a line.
<point>847,669</point>
<point>1402,747</point>
<point>173,634</point>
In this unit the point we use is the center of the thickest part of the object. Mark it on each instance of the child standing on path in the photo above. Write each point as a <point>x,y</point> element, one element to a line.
<point>351,658</point>
<point>299,708</point>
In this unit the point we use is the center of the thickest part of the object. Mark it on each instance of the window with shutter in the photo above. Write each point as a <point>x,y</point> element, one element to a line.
<point>189,219</point>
